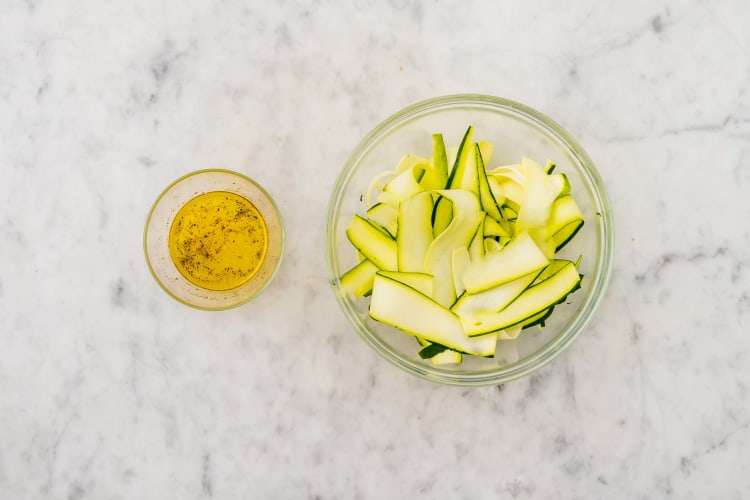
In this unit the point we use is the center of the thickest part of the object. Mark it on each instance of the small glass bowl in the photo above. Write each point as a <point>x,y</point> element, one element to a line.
<point>516,131</point>
<point>159,223</point>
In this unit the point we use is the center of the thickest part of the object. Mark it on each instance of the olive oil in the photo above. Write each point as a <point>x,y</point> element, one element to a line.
<point>218,240</point>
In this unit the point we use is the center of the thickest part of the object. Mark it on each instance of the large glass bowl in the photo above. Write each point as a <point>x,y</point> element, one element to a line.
<point>516,131</point>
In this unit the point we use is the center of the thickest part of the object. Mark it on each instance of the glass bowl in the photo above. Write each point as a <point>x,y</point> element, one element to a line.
<point>160,221</point>
<point>516,131</point>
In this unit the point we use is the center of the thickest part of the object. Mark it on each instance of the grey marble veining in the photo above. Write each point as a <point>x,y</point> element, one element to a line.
<point>109,389</point>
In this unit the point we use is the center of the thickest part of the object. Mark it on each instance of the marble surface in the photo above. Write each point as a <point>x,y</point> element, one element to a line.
<point>110,389</point>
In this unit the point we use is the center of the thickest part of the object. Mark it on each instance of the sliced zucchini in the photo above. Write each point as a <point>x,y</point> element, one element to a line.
<point>459,178</point>
<point>492,245</point>
<point>531,302</point>
<point>494,228</point>
<point>476,247</point>
<point>509,213</point>
<point>513,192</point>
<point>509,333</point>
<point>486,148</point>
<point>403,186</point>
<point>414,232</point>
<point>489,204</point>
<point>358,280</point>
<point>409,161</point>
<point>564,235</point>
<point>518,258</point>
<point>451,153</point>
<point>429,350</point>
<point>509,172</point>
<point>460,256</point>
<point>438,354</point>
<point>375,244</point>
<point>538,319</point>
<point>376,185</point>
<point>437,175</point>
<point>385,216</point>
<point>560,184</point>
<point>552,268</point>
<point>460,260</point>
<point>497,190</point>
<point>565,221</point>
<point>447,357</point>
<point>467,216</point>
<point>564,210</point>
<point>536,205</point>
<point>464,172</point>
<point>421,282</point>
<point>441,215</point>
<point>494,299</point>
<point>406,309</point>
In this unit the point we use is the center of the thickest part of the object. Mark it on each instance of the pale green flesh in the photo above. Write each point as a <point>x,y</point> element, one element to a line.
<point>358,280</point>
<point>492,245</point>
<point>463,174</point>
<point>458,158</point>
<point>493,228</point>
<point>385,216</point>
<point>552,268</point>
<point>511,191</point>
<point>560,184</point>
<point>512,172</point>
<point>423,283</point>
<point>564,235</point>
<point>565,220</point>
<point>497,190</point>
<point>486,148</point>
<point>564,210</point>
<point>518,258</point>
<point>494,299</point>
<point>374,244</point>
<point>446,357</point>
<point>415,232</point>
<point>408,310</point>
<point>437,262</point>
<point>536,205</point>
<point>476,247</point>
<point>403,186</point>
<point>442,215</point>
<point>408,162</point>
<point>439,162</point>
<point>530,302</point>
<point>460,260</point>
<point>489,204</point>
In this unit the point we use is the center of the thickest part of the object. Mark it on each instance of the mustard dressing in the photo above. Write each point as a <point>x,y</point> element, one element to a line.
<point>218,240</point>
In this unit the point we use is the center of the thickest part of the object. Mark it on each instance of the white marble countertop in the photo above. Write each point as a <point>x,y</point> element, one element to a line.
<point>110,389</point>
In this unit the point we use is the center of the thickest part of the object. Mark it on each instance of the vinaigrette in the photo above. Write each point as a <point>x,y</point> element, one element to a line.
<point>218,240</point>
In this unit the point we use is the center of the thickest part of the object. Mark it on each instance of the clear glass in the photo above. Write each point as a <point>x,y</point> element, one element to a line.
<point>159,222</point>
<point>516,131</point>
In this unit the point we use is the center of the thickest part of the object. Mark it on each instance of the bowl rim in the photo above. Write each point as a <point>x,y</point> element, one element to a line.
<point>602,273</point>
<point>281,235</point>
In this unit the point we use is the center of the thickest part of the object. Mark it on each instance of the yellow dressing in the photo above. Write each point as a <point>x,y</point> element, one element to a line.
<point>218,240</point>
